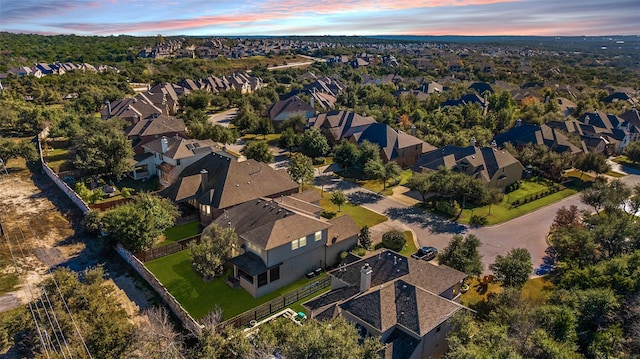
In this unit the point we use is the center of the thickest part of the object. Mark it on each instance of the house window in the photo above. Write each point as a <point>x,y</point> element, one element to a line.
<point>274,274</point>
<point>301,242</point>
<point>160,156</point>
<point>438,329</point>
<point>318,236</point>
<point>262,279</point>
<point>178,162</point>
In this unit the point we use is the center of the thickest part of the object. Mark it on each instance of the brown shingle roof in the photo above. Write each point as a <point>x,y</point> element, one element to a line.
<point>342,228</point>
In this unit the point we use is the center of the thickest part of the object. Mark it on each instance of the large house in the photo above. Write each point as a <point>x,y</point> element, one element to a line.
<point>407,302</point>
<point>338,125</point>
<point>153,128</point>
<point>527,134</point>
<point>166,157</point>
<point>601,133</point>
<point>495,168</point>
<point>397,146</point>
<point>288,108</point>
<point>220,180</point>
<point>282,240</point>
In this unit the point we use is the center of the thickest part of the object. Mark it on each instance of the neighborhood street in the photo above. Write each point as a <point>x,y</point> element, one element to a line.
<point>528,231</point>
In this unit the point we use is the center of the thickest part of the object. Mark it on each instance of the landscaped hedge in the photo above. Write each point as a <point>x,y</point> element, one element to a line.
<point>394,240</point>
<point>553,188</point>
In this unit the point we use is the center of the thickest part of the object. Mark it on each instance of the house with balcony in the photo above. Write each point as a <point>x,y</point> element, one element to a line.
<point>283,239</point>
<point>166,157</point>
<point>407,302</point>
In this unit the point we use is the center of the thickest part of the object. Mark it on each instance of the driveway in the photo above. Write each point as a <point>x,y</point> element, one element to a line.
<point>528,231</point>
<point>223,118</point>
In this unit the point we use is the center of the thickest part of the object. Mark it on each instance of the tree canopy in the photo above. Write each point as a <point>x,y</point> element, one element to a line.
<point>513,268</point>
<point>209,256</point>
<point>300,168</point>
<point>462,254</point>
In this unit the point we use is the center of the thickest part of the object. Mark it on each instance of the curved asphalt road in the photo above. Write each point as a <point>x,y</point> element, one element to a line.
<point>528,231</point>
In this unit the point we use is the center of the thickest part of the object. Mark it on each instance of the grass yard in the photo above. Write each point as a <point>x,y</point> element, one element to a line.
<point>615,174</point>
<point>503,211</point>
<point>271,138</point>
<point>360,215</point>
<point>199,297</point>
<point>624,160</point>
<point>150,185</point>
<point>59,159</point>
<point>536,290</point>
<point>410,247</point>
<point>176,233</point>
<point>357,176</point>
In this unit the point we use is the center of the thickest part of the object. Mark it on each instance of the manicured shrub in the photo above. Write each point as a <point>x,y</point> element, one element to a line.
<point>394,240</point>
<point>476,220</point>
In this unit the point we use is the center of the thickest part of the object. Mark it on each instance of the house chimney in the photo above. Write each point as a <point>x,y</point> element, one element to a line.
<point>494,144</point>
<point>413,130</point>
<point>164,142</point>
<point>518,122</point>
<point>108,103</point>
<point>312,101</point>
<point>365,278</point>
<point>204,180</point>
<point>473,141</point>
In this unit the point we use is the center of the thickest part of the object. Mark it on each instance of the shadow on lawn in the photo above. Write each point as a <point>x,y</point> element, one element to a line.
<point>362,197</point>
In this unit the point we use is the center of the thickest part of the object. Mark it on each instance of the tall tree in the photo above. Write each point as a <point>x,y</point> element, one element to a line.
<point>10,150</point>
<point>421,183</point>
<point>208,256</point>
<point>137,225</point>
<point>259,151</point>
<point>300,169</point>
<point>103,150</point>
<point>289,139</point>
<point>514,268</point>
<point>592,162</point>
<point>462,254</point>
<point>632,151</point>
<point>346,154</point>
<point>382,171</point>
<point>314,144</point>
<point>494,196</point>
<point>338,198</point>
<point>368,151</point>
<point>364,237</point>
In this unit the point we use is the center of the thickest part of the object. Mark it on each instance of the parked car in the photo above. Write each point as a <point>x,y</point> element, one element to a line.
<point>426,253</point>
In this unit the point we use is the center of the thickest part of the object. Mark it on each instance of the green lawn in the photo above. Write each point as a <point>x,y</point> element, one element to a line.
<point>58,159</point>
<point>360,215</point>
<point>615,174</point>
<point>150,185</point>
<point>176,233</point>
<point>410,247</point>
<point>271,138</point>
<point>357,176</point>
<point>624,160</point>
<point>503,211</point>
<point>536,290</point>
<point>199,297</point>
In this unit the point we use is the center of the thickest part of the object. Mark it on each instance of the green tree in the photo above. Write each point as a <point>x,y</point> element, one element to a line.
<point>592,162</point>
<point>300,169</point>
<point>514,268</point>
<point>494,196</point>
<point>368,151</point>
<point>382,172</point>
<point>208,256</point>
<point>10,150</point>
<point>338,198</point>
<point>289,139</point>
<point>137,225</point>
<point>334,338</point>
<point>364,237</point>
<point>462,254</point>
<point>421,183</point>
<point>259,151</point>
<point>314,144</point>
<point>346,154</point>
<point>103,150</point>
<point>632,151</point>
<point>394,239</point>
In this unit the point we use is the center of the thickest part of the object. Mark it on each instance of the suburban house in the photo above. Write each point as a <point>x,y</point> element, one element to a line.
<point>527,134</point>
<point>282,240</point>
<point>466,99</point>
<point>166,157</point>
<point>339,124</point>
<point>221,180</point>
<point>397,146</point>
<point>601,133</point>
<point>154,128</point>
<point>481,88</point>
<point>406,301</point>
<point>495,168</point>
<point>285,109</point>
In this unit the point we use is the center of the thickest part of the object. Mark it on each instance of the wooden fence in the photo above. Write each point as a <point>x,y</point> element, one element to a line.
<point>277,304</point>
<point>155,253</point>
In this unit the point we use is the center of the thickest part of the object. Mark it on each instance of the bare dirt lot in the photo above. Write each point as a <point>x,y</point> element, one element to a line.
<point>41,232</point>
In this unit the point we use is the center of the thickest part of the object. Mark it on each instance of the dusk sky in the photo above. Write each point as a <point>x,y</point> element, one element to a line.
<point>318,17</point>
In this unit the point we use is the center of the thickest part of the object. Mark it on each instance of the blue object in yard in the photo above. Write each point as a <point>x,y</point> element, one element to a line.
<point>301,315</point>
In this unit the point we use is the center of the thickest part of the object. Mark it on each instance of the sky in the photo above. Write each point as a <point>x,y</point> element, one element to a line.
<point>321,17</point>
